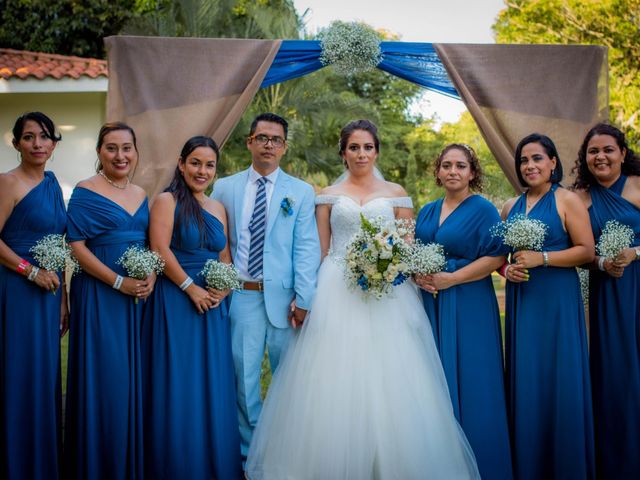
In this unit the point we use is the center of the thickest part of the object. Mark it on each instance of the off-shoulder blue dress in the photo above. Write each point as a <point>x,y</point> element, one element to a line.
<point>103,418</point>
<point>548,384</point>
<point>614,316</point>
<point>30,444</point>
<point>191,422</point>
<point>466,325</point>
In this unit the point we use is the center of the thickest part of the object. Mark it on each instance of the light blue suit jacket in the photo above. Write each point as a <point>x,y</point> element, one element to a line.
<point>291,248</point>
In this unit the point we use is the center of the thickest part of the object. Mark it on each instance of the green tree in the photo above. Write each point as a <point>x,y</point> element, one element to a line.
<point>67,27</point>
<point>612,23</point>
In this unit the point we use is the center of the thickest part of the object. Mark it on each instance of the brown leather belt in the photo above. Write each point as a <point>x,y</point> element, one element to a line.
<point>257,286</point>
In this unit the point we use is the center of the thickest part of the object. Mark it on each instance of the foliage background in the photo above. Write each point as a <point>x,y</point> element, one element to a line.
<point>318,105</point>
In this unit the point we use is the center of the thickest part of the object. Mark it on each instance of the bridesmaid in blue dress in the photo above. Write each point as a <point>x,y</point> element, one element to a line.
<point>548,387</point>
<point>608,181</point>
<point>191,423</point>
<point>107,214</point>
<point>31,318</point>
<point>464,314</point>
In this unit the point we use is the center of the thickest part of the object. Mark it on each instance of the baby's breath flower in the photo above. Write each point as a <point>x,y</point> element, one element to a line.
<point>614,238</point>
<point>583,275</point>
<point>220,276</point>
<point>521,233</point>
<point>426,258</point>
<point>51,252</point>
<point>350,47</point>
<point>140,262</point>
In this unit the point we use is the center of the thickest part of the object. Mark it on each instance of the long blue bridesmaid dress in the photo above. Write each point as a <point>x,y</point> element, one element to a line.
<point>548,386</point>
<point>103,424</point>
<point>614,316</point>
<point>466,324</point>
<point>190,416</point>
<point>30,443</point>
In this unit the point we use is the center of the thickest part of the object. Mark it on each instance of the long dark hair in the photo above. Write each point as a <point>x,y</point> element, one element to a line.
<point>189,209</point>
<point>106,129</point>
<point>549,148</point>
<point>41,119</point>
<point>584,178</point>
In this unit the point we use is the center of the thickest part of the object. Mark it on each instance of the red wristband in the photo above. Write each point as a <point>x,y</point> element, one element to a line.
<point>503,269</point>
<point>22,266</point>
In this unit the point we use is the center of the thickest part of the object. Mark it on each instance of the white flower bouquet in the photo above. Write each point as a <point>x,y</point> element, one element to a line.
<point>615,237</point>
<point>53,253</point>
<point>140,262</point>
<point>521,233</point>
<point>219,275</point>
<point>375,258</point>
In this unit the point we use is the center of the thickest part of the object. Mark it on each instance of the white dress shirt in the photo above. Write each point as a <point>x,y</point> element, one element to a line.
<point>244,237</point>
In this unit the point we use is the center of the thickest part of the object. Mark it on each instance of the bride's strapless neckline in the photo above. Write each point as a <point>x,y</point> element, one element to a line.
<point>358,202</point>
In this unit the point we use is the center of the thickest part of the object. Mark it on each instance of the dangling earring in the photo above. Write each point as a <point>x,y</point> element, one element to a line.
<point>553,174</point>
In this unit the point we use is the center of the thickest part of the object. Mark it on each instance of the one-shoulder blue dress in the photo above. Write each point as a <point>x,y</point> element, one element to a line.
<point>30,444</point>
<point>466,325</point>
<point>103,418</point>
<point>190,413</point>
<point>614,316</point>
<point>548,385</point>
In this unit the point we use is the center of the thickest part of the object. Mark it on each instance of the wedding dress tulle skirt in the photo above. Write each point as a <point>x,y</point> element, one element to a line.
<point>360,394</point>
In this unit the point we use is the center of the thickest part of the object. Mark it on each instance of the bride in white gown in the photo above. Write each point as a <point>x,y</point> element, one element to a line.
<point>360,393</point>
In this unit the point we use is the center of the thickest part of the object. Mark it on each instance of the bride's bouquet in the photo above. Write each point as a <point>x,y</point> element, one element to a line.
<point>375,259</point>
<point>521,233</point>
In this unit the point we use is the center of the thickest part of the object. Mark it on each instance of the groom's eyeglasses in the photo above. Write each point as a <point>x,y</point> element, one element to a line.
<point>276,141</point>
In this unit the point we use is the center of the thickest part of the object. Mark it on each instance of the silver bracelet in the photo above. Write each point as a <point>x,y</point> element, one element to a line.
<point>184,285</point>
<point>601,264</point>
<point>506,271</point>
<point>638,253</point>
<point>545,259</point>
<point>118,283</point>
<point>33,273</point>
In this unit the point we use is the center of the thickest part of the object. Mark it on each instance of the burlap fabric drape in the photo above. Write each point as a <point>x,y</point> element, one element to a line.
<point>169,89</point>
<point>514,90</point>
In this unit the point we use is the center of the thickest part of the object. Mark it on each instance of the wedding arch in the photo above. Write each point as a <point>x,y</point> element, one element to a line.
<point>169,89</point>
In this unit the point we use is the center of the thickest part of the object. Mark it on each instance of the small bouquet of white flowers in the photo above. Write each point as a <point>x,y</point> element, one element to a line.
<point>426,258</point>
<point>521,233</point>
<point>614,238</point>
<point>219,275</point>
<point>375,258</point>
<point>140,262</point>
<point>53,253</point>
<point>583,276</point>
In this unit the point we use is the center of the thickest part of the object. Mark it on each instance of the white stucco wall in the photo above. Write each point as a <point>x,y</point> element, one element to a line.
<point>78,117</point>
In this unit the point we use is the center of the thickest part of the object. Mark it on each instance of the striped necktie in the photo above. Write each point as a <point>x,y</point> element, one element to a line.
<point>257,227</point>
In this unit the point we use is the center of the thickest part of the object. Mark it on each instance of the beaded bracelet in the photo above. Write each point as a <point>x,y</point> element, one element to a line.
<point>601,264</point>
<point>118,282</point>
<point>22,266</point>
<point>545,259</point>
<point>33,273</point>
<point>184,285</point>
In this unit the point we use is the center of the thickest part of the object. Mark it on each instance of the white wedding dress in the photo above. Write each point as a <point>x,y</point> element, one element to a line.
<point>360,393</point>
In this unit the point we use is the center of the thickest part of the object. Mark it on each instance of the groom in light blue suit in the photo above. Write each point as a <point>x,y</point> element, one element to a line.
<point>275,247</point>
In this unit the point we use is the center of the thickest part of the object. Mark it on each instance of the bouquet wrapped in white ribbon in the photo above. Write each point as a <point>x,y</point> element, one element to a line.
<point>53,253</point>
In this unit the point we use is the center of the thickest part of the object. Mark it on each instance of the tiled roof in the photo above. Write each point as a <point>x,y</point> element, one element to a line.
<point>24,64</point>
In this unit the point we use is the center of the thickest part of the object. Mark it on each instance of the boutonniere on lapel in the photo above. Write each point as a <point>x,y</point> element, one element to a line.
<point>286,205</point>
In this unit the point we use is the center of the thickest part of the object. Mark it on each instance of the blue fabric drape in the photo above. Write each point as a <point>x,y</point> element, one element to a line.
<point>416,62</point>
